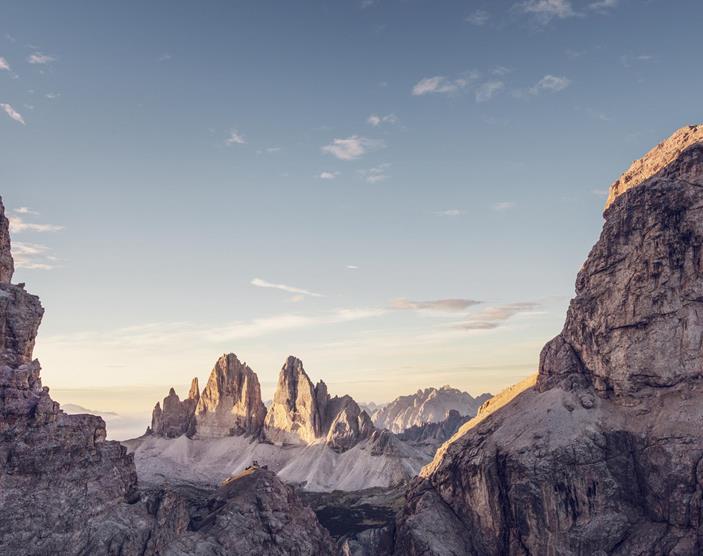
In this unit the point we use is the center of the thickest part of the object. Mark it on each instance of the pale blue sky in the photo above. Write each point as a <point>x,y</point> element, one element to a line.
<point>364,152</point>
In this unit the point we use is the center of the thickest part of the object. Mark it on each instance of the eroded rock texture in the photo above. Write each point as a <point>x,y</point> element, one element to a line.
<point>230,402</point>
<point>431,405</point>
<point>303,413</point>
<point>602,453</point>
<point>177,417</point>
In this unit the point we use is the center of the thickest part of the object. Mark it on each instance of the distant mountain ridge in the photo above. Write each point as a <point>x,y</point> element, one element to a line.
<point>431,405</point>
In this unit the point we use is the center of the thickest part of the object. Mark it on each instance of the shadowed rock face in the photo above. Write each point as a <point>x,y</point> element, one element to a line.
<point>7,265</point>
<point>602,454</point>
<point>177,417</point>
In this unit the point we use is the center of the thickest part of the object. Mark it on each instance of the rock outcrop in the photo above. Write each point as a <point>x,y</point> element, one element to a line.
<point>430,405</point>
<point>7,264</point>
<point>251,513</point>
<point>230,403</point>
<point>177,417</point>
<point>65,490</point>
<point>303,413</point>
<point>602,453</point>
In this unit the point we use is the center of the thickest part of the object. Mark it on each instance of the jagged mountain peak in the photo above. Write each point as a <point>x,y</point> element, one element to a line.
<point>663,156</point>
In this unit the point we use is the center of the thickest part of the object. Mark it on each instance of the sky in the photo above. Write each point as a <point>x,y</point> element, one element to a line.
<point>399,192</point>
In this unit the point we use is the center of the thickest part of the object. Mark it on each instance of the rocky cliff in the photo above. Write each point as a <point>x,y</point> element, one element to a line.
<point>65,490</point>
<point>303,413</point>
<point>602,453</point>
<point>177,417</point>
<point>431,405</point>
<point>231,401</point>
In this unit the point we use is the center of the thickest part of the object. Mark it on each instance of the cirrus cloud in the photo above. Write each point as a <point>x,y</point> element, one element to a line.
<point>12,113</point>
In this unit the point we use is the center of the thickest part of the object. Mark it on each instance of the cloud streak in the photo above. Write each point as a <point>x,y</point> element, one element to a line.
<point>39,58</point>
<point>438,85</point>
<point>259,283</point>
<point>492,317</point>
<point>18,225</point>
<point>32,256</point>
<point>443,305</point>
<point>375,120</point>
<point>12,113</point>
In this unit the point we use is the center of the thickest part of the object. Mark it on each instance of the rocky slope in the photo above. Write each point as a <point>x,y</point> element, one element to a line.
<point>601,454</point>
<point>64,489</point>
<point>430,405</point>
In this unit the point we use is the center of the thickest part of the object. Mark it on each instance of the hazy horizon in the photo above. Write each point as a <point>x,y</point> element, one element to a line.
<point>400,193</point>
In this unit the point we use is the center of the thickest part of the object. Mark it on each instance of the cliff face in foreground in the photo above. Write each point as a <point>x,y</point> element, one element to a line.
<point>64,489</point>
<point>602,454</point>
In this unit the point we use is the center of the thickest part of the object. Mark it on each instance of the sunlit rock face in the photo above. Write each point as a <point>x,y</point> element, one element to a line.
<point>230,403</point>
<point>601,454</point>
<point>302,413</point>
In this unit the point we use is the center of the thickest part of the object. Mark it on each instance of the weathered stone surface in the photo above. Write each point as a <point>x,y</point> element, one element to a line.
<point>602,455</point>
<point>253,513</point>
<point>230,402</point>
<point>294,415</point>
<point>431,405</point>
<point>7,264</point>
<point>303,413</point>
<point>666,156</point>
<point>177,417</point>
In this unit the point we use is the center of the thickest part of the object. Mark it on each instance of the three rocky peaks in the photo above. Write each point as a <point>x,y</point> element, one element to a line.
<point>600,453</point>
<point>64,489</point>
<point>231,405</point>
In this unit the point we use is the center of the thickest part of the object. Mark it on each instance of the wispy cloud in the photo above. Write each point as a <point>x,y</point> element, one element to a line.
<point>376,174</point>
<point>478,18</point>
<point>175,333</point>
<point>603,6</point>
<point>443,305</point>
<point>546,10</point>
<point>259,283</point>
<point>629,60</point>
<point>25,210</point>
<point>39,58</point>
<point>235,138</point>
<point>451,212</point>
<point>376,120</point>
<point>18,225</point>
<point>550,84</point>
<point>352,147</point>
<point>328,175</point>
<point>4,65</point>
<point>503,206</point>
<point>492,317</point>
<point>351,267</point>
<point>12,113</point>
<point>439,85</point>
<point>32,256</point>
<point>486,91</point>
